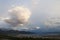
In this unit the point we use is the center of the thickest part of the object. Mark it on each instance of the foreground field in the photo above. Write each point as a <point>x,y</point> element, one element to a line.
<point>4,37</point>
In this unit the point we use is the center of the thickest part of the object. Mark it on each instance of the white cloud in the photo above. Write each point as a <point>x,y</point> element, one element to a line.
<point>18,15</point>
<point>37,27</point>
<point>52,22</point>
<point>53,14</point>
<point>3,18</point>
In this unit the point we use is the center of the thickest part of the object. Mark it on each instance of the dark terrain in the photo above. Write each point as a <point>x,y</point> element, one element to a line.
<point>27,35</point>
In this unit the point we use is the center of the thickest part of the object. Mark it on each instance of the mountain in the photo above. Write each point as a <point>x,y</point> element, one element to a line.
<point>39,32</point>
<point>15,32</point>
<point>32,33</point>
<point>50,31</point>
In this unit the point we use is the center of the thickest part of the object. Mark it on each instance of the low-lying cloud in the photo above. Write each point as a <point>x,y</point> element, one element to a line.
<point>52,22</point>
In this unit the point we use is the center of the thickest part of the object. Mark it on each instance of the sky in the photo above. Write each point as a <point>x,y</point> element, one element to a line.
<point>44,13</point>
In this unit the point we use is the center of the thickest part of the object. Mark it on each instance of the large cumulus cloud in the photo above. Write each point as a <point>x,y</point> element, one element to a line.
<point>18,16</point>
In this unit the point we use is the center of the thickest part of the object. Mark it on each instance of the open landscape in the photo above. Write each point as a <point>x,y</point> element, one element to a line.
<point>26,35</point>
<point>29,19</point>
<point>6,37</point>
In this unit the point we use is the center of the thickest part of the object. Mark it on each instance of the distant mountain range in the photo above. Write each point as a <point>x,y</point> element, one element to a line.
<point>47,31</point>
<point>15,33</point>
<point>23,34</point>
<point>28,33</point>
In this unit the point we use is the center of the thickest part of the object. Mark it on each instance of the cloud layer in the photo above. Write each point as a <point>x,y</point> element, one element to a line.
<point>52,22</point>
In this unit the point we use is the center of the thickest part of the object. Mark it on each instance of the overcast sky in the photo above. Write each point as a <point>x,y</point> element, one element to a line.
<point>41,10</point>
